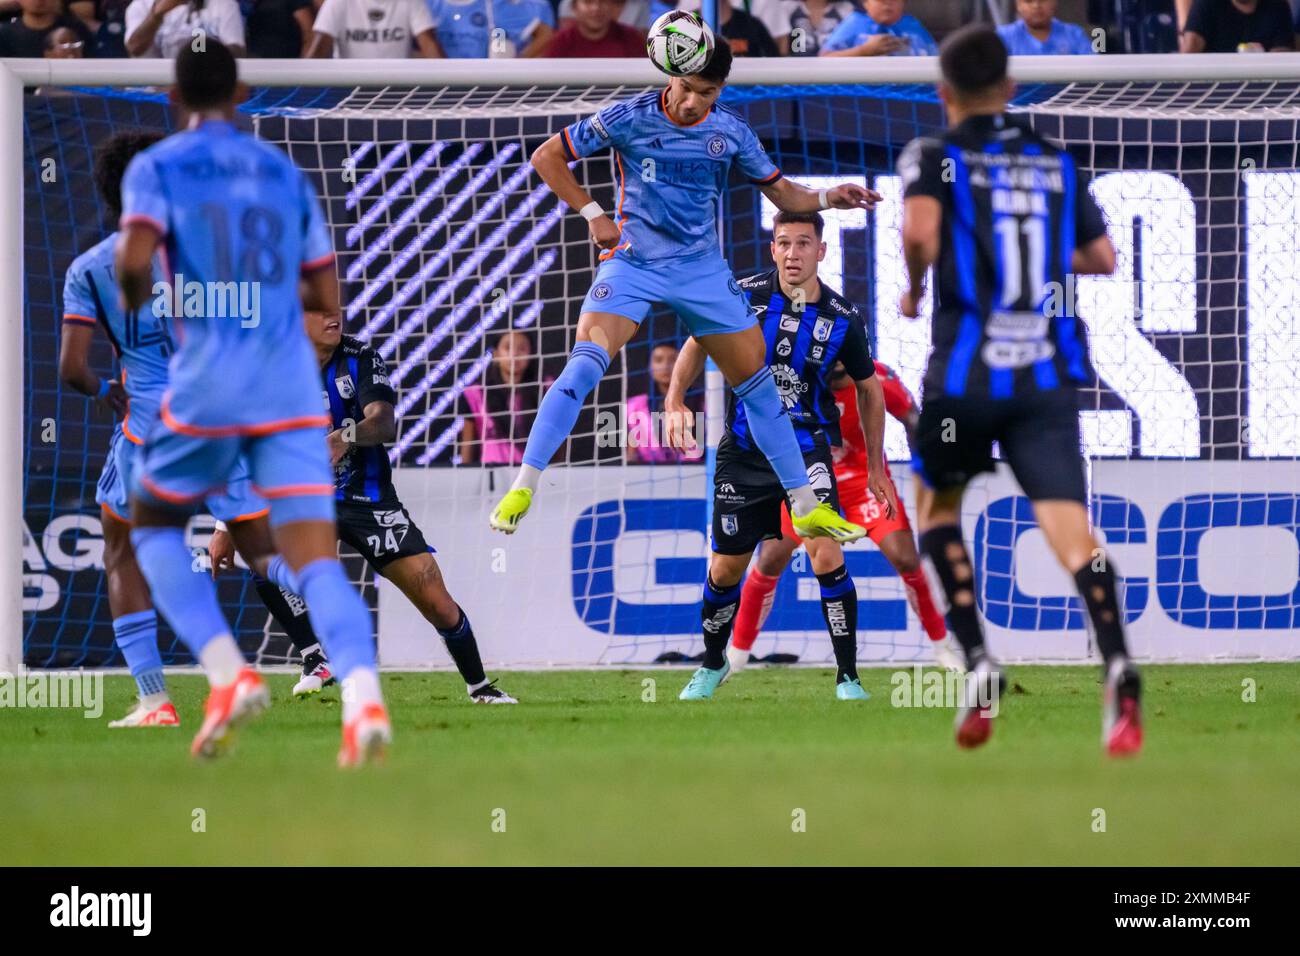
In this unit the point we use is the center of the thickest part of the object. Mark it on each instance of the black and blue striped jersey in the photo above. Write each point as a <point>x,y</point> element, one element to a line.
<point>803,345</point>
<point>1015,207</point>
<point>354,377</point>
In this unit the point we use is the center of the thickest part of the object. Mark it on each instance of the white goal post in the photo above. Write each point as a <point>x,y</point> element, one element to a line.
<point>19,76</point>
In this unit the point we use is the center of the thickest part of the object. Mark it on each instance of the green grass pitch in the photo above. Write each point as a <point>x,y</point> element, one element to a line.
<point>584,771</point>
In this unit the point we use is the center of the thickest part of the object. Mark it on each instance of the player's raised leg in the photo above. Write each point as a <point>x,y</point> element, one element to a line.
<point>601,335</point>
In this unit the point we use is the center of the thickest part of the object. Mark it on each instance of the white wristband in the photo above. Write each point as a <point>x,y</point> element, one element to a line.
<point>822,201</point>
<point>220,526</point>
<point>591,211</point>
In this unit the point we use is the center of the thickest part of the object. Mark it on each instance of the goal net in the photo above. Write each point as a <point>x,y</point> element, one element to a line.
<point>467,274</point>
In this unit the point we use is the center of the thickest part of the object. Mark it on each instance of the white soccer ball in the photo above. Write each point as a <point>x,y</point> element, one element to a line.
<point>679,43</point>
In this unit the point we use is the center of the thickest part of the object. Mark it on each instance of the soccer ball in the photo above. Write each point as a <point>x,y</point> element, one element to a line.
<point>679,43</point>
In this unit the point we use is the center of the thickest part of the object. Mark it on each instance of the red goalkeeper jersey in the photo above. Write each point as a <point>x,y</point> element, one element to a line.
<point>851,456</point>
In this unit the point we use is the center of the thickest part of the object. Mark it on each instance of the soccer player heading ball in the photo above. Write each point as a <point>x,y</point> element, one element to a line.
<point>1004,216</point>
<point>674,149</point>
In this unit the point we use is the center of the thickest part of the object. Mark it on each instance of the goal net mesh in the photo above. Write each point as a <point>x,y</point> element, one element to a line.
<point>467,274</point>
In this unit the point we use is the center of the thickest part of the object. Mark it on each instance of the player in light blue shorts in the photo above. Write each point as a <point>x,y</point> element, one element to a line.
<point>239,228</point>
<point>143,342</point>
<point>674,150</point>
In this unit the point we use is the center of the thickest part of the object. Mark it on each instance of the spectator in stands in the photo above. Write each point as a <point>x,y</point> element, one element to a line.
<point>106,19</point>
<point>278,29</point>
<point>645,428</point>
<point>813,21</point>
<point>25,35</point>
<point>631,13</point>
<point>773,14</point>
<point>358,29</point>
<point>885,29</point>
<point>482,29</point>
<point>64,43</point>
<point>745,32</point>
<point>502,409</point>
<point>162,28</point>
<point>1038,32</point>
<point>1228,26</point>
<point>596,31</point>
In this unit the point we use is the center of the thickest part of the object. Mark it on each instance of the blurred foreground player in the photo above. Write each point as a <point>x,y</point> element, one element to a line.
<point>235,217</point>
<point>143,341</point>
<point>807,328</point>
<point>371,518</point>
<point>1005,216</point>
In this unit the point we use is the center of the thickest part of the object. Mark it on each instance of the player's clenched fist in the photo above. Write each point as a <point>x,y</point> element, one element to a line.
<point>852,196</point>
<point>603,232</point>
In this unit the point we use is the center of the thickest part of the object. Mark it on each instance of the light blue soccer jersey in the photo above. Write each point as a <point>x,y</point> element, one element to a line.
<point>465,27</point>
<point>239,223</point>
<point>1064,39</point>
<point>670,177</point>
<point>859,28</point>
<point>142,340</point>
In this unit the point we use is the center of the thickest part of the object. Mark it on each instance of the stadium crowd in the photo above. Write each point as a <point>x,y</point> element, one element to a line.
<point>485,29</point>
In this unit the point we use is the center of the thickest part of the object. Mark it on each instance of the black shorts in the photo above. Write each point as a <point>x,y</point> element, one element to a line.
<point>748,497</point>
<point>1037,434</point>
<point>381,531</point>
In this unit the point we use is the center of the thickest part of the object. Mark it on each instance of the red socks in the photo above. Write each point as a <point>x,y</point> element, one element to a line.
<point>755,604</point>
<point>918,595</point>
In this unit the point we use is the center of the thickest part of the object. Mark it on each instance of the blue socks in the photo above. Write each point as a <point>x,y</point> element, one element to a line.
<point>771,428</point>
<point>338,615</point>
<point>279,573</point>
<point>187,598</point>
<point>137,638</point>
<point>563,401</point>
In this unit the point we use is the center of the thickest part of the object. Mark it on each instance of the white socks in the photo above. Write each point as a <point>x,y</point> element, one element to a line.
<point>803,500</point>
<point>528,477</point>
<point>361,687</point>
<point>221,660</point>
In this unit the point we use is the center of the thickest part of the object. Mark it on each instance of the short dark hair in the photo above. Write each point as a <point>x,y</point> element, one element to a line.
<point>719,66</point>
<point>206,78</point>
<point>973,60</point>
<point>813,219</point>
<point>111,159</point>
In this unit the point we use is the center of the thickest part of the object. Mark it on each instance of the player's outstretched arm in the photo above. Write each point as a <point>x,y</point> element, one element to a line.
<point>552,165</point>
<point>922,217</point>
<point>681,420</point>
<point>871,410</point>
<point>789,196</point>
